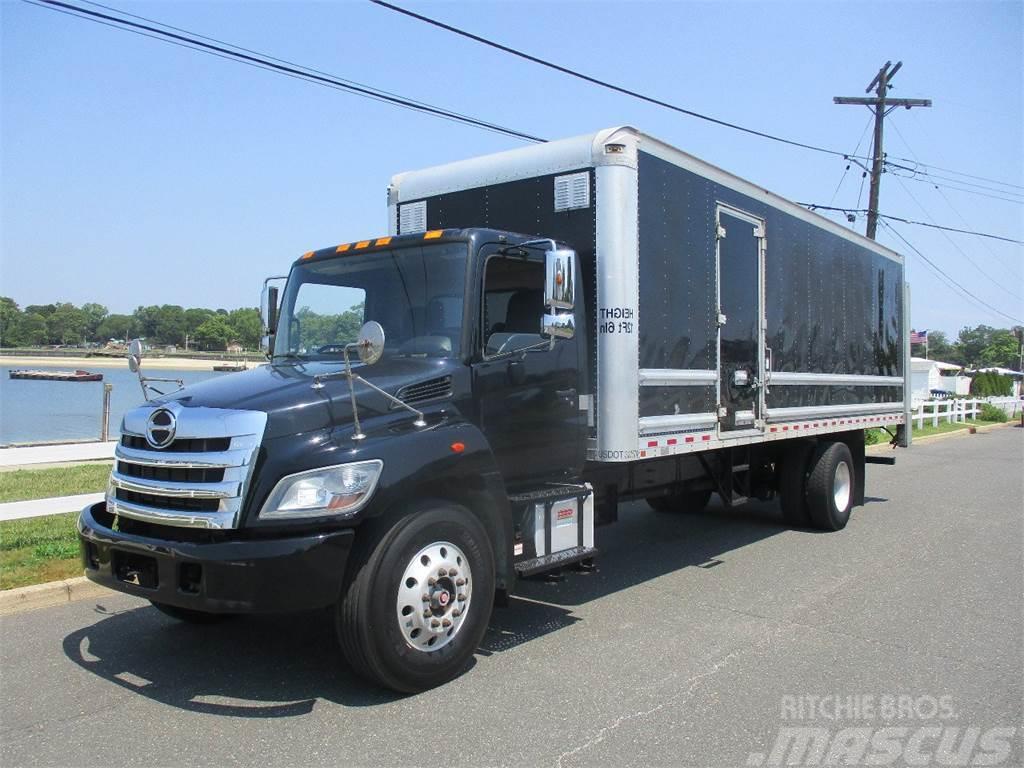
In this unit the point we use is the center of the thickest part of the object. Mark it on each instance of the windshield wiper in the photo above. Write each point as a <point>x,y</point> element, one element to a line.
<point>289,356</point>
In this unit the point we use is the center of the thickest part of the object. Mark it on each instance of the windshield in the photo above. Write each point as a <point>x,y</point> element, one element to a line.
<point>415,293</point>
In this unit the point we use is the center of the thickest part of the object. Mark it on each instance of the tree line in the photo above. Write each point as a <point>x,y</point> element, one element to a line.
<point>979,347</point>
<point>63,323</point>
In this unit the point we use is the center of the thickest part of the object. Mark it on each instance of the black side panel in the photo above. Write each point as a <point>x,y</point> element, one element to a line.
<point>677,285</point>
<point>832,306</point>
<point>528,207</point>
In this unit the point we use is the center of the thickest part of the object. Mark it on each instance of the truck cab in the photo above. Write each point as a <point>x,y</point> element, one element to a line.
<point>401,479</point>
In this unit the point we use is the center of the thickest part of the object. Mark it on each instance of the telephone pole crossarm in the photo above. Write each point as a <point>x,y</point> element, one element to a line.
<point>881,105</point>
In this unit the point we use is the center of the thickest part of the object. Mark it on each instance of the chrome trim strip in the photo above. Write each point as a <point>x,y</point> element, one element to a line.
<point>224,490</point>
<point>210,520</point>
<point>822,411</point>
<point>649,424</point>
<point>224,459</point>
<point>677,377</point>
<point>793,379</point>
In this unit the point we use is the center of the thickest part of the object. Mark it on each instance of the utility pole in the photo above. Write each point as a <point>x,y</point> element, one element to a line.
<point>881,105</point>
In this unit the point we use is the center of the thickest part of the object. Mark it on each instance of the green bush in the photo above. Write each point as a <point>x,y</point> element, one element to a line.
<point>990,412</point>
<point>991,384</point>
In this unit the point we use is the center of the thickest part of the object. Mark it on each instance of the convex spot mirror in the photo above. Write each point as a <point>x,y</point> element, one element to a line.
<point>370,342</point>
<point>134,355</point>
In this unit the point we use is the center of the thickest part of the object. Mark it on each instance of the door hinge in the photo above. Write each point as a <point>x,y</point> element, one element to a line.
<point>721,319</point>
<point>720,234</point>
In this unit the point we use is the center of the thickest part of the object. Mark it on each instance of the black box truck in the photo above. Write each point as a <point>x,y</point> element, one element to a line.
<point>544,333</point>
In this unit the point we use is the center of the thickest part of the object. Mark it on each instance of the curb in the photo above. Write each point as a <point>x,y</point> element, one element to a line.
<point>48,595</point>
<point>884,447</point>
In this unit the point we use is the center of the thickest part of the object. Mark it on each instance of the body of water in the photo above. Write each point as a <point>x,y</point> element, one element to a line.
<point>38,411</point>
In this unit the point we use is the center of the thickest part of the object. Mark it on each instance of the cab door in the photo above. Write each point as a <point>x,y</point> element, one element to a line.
<point>741,320</point>
<point>527,389</point>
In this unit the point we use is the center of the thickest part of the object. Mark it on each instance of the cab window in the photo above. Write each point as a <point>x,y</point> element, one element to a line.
<point>513,304</point>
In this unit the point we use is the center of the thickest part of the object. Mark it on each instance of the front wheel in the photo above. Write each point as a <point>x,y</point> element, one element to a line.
<point>417,605</point>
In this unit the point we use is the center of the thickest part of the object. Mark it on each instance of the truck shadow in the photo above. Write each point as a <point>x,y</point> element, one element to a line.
<point>280,666</point>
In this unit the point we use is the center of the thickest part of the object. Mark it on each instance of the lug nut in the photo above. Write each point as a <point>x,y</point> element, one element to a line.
<point>452,572</point>
<point>460,582</point>
<point>462,596</point>
<point>431,581</point>
<point>426,598</point>
<point>456,612</point>
<point>427,613</point>
<point>435,623</point>
<point>442,572</point>
<point>446,623</point>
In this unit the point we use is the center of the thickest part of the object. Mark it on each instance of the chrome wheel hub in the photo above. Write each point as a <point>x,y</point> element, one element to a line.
<point>434,596</point>
<point>842,485</point>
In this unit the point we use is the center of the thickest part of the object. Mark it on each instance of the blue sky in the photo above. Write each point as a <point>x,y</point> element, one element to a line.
<point>135,172</point>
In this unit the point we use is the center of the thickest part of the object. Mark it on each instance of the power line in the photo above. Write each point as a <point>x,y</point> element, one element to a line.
<point>918,178</point>
<point>817,207</point>
<point>923,175</point>
<point>949,203</point>
<point>261,61</point>
<point>602,83</point>
<point>952,242</point>
<point>958,173</point>
<point>949,279</point>
<point>636,95</point>
<point>850,162</point>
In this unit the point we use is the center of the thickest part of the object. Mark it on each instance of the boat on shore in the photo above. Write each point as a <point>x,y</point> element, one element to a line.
<point>230,367</point>
<point>78,375</point>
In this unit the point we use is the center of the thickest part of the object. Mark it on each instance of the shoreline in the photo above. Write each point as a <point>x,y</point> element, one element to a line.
<point>148,363</point>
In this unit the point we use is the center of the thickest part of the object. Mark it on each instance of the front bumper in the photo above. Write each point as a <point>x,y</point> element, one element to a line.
<point>231,576</point>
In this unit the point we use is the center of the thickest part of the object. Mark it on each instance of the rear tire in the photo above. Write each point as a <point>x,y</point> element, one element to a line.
<point>793,484</point>
<point>387,630</point>
<point>187,615</point>
<point>830,486</point>
<point>686,501</point>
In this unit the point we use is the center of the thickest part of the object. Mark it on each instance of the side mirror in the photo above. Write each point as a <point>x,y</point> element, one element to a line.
<point>269,310</point>
<point>558,321</point>
<point>560,279</point>
<point>135,355</point>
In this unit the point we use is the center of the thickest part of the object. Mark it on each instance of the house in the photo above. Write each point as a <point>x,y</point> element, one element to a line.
<point>928,376</point>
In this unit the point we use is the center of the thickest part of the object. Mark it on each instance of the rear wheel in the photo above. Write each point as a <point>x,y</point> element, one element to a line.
<point>416,607</point>
<point>686,501</point>
<point>830,486</point>
<point>793,484</point>
<point>187,615</point>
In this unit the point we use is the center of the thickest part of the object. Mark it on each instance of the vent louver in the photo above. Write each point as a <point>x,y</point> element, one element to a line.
<point>412,217</point>
<point>435,389</point>
<point>572,191</point>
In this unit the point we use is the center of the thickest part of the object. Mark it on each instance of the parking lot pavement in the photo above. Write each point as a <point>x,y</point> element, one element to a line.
<point>718,639</point>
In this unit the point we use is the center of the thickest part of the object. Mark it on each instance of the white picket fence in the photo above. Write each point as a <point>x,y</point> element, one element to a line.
<point>957,409</point>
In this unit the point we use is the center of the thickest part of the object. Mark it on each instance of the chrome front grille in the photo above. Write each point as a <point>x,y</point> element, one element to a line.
<point>199,480</point>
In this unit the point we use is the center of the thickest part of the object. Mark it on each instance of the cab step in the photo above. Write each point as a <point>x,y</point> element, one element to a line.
<point>554,560</point>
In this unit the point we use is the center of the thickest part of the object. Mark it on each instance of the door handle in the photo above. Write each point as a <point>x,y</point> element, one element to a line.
<point>566,395</point>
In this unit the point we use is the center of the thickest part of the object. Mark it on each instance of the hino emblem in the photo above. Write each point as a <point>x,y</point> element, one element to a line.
<point>160,428</point>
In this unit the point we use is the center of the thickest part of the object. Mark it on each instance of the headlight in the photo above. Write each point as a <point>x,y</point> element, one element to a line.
<point>338,491</point>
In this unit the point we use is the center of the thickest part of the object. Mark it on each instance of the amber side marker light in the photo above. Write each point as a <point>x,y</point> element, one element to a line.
<point>362,244</point>
<point>343,247</point>
<point>382,241</point>
<point>308,255</point>
<point>433,234</point>
<point>457,447</point>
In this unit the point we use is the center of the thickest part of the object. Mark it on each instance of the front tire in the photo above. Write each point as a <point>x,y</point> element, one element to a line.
<point>830,486</point>
<point>416,606</point>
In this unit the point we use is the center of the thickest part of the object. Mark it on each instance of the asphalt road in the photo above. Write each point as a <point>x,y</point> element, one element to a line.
<point>718,639</point>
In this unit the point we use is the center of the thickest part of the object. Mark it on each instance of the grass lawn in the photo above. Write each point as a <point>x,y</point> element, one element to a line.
<point>880,436</point>
<point>38,549</point>
<point>25,484</point>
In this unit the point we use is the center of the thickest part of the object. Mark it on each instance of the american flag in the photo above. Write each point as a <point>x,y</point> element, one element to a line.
<point>919,337</point>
